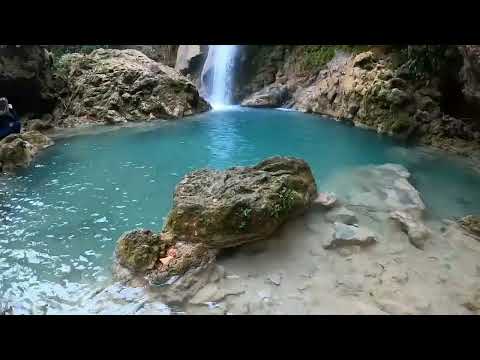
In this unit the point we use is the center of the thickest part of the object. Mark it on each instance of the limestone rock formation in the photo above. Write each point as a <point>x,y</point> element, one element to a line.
<point>123,85</point>
<point>417,232</point>
<point>165,54</point>
<point>18,150</point>
<point>470,73</point>
<point>227,208</point>
<point>156,256</point>
<point>374,89</point>
<point>190,59</point>
<point>214,210</point>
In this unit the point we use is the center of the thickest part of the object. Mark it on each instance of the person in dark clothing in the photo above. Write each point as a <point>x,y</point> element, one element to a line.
<point>9,121</point>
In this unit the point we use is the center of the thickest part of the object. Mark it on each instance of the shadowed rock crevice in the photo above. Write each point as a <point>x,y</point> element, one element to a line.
<point>26,78</point>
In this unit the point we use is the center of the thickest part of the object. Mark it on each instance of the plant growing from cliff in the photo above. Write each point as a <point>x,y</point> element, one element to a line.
<point>285,203</point>
<point>315,57</point>
<point>424,61</point>
<point>400,122</point>
<point>246,215</point>
<point>59,50</point>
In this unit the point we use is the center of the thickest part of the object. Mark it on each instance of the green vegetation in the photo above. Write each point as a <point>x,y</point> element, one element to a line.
<point>59,50</point>
<point>424,61</point>
<point>286,203</point>
<point>400,123</point>
<point>317,56</point>
<point>246,215</point>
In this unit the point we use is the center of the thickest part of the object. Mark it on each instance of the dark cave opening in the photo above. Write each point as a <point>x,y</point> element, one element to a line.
<point>453,101</point>
<point>25,97</point>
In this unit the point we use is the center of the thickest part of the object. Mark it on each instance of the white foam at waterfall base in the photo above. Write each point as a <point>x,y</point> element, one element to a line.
<point>223,62</point>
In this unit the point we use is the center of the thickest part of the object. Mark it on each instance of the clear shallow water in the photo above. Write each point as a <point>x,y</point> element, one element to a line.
<point>59,219</point>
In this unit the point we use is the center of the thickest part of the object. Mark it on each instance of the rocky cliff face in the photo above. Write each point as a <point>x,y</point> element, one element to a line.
<point>427,93</point>
<point>165,54</point>
<point>470,74</point>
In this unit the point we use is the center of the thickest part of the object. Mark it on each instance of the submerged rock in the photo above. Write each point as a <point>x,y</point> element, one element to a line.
<point>18,150</point>
<point>417,232</point>
<point>123,85</point>
<point>471,223</point>
<point>348,235</point>
<point>383,188</point>
<point>240,205</point>
<point>342,215</point>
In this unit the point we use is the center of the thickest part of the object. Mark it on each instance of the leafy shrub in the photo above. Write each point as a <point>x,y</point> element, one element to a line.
<point>423,61</point>
<point>315,57</point>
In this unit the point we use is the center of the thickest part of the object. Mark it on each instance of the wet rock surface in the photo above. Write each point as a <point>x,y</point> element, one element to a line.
<point>19,150</point>
<point>350,235</point>
<point>417,232</point>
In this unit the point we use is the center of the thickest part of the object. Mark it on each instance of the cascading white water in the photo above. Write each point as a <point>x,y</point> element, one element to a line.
<point>220,60</point>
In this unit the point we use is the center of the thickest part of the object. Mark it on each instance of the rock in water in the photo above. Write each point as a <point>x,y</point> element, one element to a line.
<point>272,96</point>
<point>348,235</point>
<point>140,252</point>
<point>342,215</point>
<point>416,231</point>
<point>123,85</point>
<point>18,150</point>
<point>471,223</point>
<point>228,208</point>
<point>214,210</point>
<point>384,188</point>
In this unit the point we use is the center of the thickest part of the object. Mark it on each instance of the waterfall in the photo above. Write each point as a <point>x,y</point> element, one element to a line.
<point>218,69</point>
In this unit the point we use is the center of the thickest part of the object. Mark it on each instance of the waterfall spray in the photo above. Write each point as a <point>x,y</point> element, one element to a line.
<point>220,60</point>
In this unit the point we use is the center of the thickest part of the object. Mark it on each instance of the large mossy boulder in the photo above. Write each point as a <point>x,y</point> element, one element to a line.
<point>18,150</point>
<point>239,205</point>
<point>115,86</point>
<point>214,210</point>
